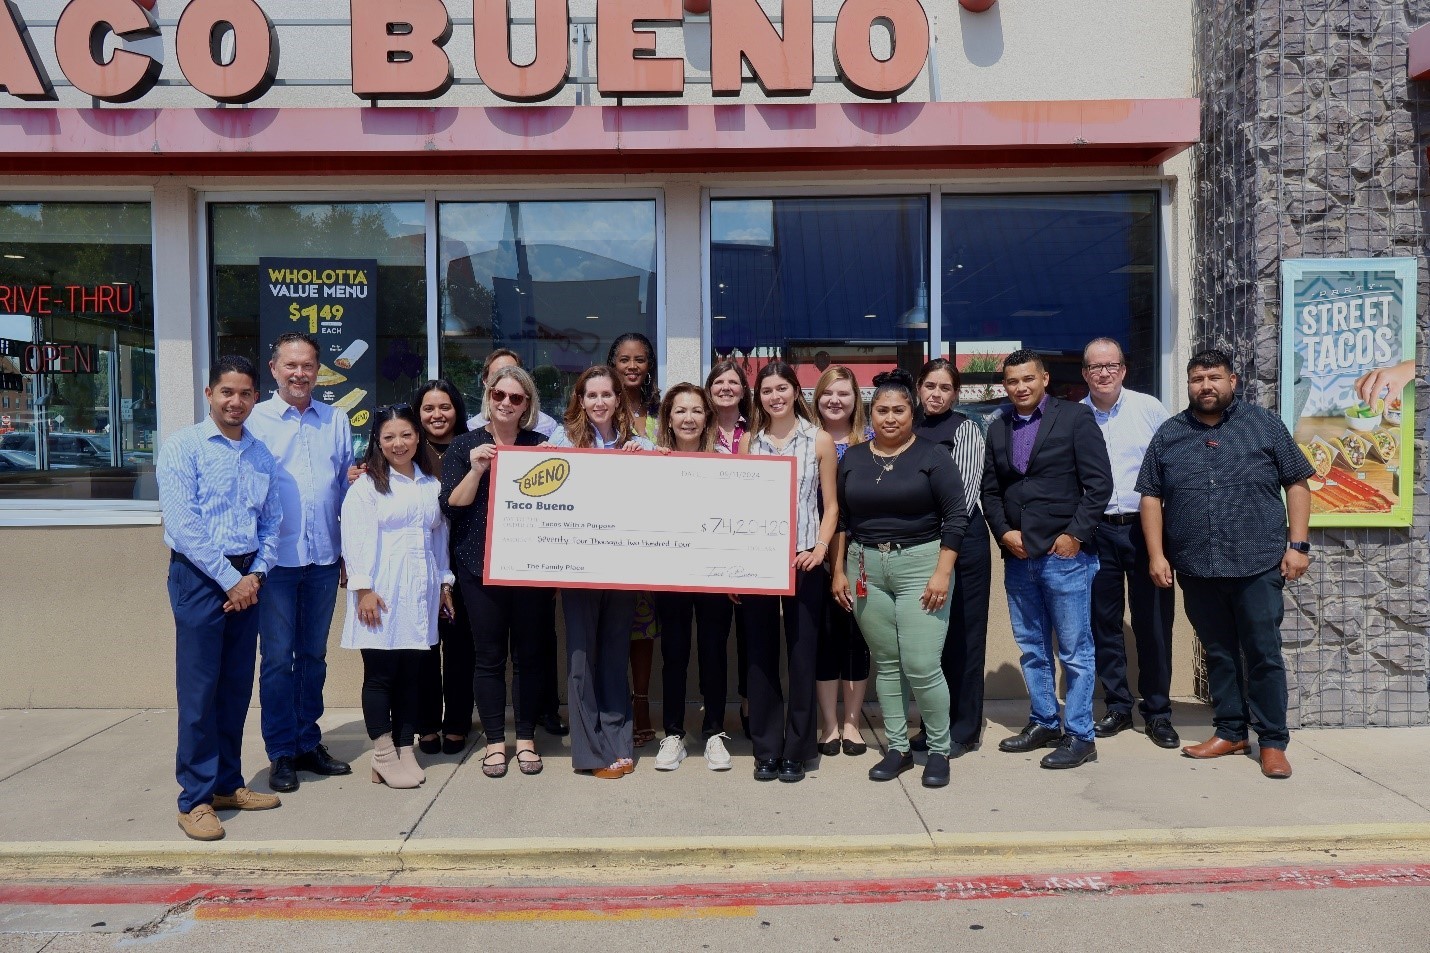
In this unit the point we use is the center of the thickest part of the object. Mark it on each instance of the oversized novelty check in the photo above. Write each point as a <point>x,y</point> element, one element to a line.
<point>600,519</point>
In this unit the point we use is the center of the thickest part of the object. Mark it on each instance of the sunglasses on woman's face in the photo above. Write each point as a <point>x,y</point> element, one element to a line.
<point>515,398</point>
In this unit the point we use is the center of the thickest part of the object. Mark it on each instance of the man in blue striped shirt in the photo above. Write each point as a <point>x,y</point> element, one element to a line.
<point>221,515</point>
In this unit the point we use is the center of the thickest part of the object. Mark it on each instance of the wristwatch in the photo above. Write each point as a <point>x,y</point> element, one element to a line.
<point>261,575</point>
<point>1299,547</point>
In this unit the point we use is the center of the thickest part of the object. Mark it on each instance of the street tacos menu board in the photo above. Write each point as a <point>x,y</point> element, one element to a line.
<point>1348,384</point>
<point>335,301</point>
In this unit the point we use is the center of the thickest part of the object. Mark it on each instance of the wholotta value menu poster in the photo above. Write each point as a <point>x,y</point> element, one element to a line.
<point>1348,384</point>
<point>335,301</point>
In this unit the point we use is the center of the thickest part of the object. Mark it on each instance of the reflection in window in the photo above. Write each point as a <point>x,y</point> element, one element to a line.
<point>77,336</point>
<point>555,281</point>
<point>820,281</point>
<point>392,233</point>
<point>1049,272</point>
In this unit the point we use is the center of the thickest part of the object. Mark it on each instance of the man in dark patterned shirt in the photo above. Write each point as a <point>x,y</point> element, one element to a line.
<point>1212,482</point>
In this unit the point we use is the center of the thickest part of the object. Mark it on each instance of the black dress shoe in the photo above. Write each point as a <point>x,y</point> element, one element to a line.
<point>893,764</point>
<point>935,771</point>
<point>829,748</point>
<point>767,769</point>
<point>551,724</point>
<point>1162,733</point>
<point>854,748</point>
<point>957,749</point>
<point>1031,738</point>
<point>318,761</point>
<point>1071,753</point>
<point>430,745</point>
<point>282,776</point>
<point>791,770</point>
<point>919,742</point>
<point>454,745</point>
<point>1112,723</point>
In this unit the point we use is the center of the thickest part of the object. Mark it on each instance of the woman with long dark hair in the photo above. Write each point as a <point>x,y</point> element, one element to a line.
<point>598,621</point>
<point>500,617</point>
<point>399,582</point>
<point>783,722</point>
<point>632,357</point>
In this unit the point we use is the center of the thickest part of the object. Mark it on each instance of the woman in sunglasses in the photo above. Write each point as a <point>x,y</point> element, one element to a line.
<point>598,621</point>
<point>499,616</point>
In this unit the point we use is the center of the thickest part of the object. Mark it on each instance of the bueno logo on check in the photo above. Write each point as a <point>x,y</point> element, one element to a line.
<point>545,478</point>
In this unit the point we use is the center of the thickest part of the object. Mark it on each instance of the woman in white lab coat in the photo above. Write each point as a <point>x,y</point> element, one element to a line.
<point>399,580</point>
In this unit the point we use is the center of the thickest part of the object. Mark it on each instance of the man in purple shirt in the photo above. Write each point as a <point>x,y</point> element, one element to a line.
<point>1046,483</point>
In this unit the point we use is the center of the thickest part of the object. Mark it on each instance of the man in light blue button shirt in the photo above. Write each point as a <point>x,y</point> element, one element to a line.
<point>1128,420</point>
<point>221,515</point>
<point>313,445</point>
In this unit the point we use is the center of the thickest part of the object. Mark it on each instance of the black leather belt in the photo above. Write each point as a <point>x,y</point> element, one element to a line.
<point>1121,519</point>
<point>241,563</point>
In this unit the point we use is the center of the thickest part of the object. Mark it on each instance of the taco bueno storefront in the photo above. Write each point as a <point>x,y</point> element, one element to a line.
<point>867,183</point>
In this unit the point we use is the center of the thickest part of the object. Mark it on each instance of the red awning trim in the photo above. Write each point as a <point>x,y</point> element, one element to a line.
<point>596,139</point>
<point>1420,54</point>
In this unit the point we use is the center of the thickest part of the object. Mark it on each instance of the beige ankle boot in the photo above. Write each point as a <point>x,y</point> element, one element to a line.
<point>386,766</point>
<point>408,759</point>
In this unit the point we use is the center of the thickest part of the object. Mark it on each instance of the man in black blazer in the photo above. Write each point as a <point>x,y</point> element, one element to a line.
<point>1046,483</point>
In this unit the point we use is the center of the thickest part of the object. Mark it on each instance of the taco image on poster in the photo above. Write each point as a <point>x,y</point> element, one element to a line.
<point>1352,448</point>
<point>1384,446</point>
<point>327,377</point>
<point>1321,455</point>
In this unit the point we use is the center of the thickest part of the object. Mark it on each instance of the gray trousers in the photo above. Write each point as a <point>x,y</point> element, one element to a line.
<point>598,689</point>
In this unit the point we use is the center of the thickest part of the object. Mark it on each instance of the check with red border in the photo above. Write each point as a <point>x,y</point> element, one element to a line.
<point>680,522</point>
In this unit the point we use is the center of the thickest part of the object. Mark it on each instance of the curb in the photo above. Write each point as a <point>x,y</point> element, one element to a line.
<point>535,856</point>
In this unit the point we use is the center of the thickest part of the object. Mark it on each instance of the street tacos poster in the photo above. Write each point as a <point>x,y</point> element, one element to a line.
<point>1346,324</point>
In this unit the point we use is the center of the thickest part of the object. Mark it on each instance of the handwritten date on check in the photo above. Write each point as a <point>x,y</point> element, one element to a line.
<point>593,519</point>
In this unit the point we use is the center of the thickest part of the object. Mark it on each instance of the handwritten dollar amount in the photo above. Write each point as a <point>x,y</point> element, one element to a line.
<point>727,526</point>
<point>314,314</point>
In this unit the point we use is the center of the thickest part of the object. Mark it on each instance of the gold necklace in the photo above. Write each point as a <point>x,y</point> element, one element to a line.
<point>886,464</point>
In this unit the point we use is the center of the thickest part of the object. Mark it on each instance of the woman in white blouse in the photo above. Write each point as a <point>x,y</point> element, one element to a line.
<point>399,580</point>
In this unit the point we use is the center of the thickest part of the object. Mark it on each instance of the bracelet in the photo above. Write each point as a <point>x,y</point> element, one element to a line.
<point>446,587</point>
<point>820,543</point>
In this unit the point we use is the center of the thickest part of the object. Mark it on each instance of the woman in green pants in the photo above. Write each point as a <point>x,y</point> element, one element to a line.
<point>901,521</point>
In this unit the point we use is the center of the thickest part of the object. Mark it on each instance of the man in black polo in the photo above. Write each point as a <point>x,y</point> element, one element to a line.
<point>1212,510</point>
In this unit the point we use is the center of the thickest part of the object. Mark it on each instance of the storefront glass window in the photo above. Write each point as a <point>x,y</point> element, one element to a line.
<point>820,281</point>
<point>306,240</point>
<point>554,281</point>
<point>1049,272</point>
<point>76,352</point>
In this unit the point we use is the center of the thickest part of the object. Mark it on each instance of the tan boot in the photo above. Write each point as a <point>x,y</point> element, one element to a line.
<point>386,768</point>
<point>409,764</point>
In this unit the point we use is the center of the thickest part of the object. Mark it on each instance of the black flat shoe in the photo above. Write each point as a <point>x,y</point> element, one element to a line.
<point>1162,733</point>
<point>430,745</point>
<point>893,764</point>
<point>1070,754</point>
<point>919,742</point>
<point>829,748</point>
<point>318,761</point>
<point>854,748</point>
<point>1031,738</point>
<point>1112,723</point>
<point>551,724</point>
<point>767,769</point>
<point>282,776</point>
<point>453,745</point>
<point>935,771</point>
<point>791,770</point>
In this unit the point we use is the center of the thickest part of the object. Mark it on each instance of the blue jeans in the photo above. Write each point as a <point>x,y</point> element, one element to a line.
<point>1048,594</point>
<point>213,669</point>
<point>295,610</point>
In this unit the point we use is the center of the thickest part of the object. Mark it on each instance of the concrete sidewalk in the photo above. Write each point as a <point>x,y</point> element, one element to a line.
<point>93,790</point>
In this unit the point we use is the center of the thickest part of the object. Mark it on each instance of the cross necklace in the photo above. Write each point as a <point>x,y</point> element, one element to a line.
<point>886,464</point>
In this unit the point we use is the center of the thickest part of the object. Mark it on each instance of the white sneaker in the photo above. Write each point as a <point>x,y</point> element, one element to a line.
<point>716,757</point>
<point>671,753</point>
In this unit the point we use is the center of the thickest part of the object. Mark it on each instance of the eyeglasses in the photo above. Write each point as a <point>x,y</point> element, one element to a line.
<point>515,398</point>
<point>393,408</point>
<point>1110,368</point>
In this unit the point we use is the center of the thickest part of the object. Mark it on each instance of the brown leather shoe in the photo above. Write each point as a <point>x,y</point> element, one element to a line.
<point>1274,763</point>
<point>201,823</point>
<point>1214,747</point>
<point>245,800</point>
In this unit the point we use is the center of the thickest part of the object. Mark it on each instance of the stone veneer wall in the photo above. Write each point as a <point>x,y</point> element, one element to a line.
<point>1314,146</point>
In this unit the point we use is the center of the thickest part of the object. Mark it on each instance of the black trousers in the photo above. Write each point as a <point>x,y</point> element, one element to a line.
<point>391,683</point>
<point>712,612</point>
<point>598,686</point>
<point>784,724</point>
<point>505,626</point>
<point>965,649</point>
<point>842,654</point>
<point>445,705</point>
<point>1122,557</point>
<point>1238,621</point>
<point>545,620</point>
<point>742,655</point>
